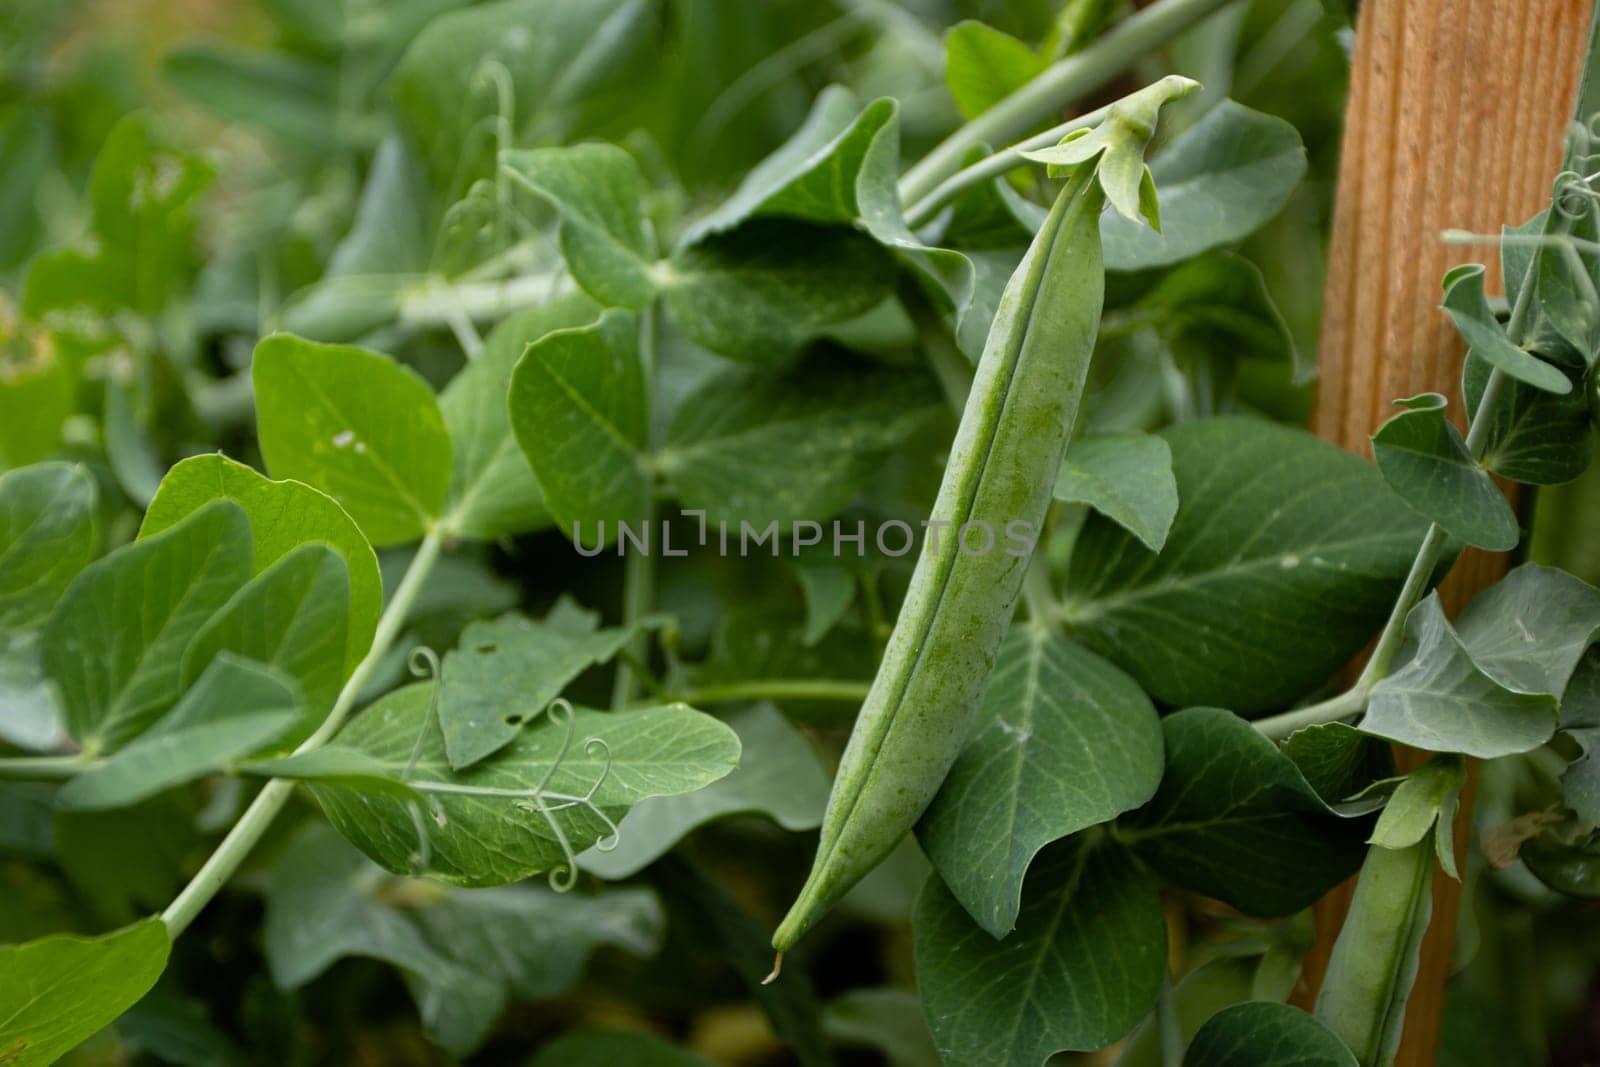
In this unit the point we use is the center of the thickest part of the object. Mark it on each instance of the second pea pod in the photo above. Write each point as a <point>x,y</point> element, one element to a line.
<point>1012,437</point>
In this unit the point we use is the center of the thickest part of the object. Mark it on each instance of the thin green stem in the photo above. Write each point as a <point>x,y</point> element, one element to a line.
<point>837,689</point>
<point>1057,86</point>
<point>1335,709</point>
<point>42,768</point>
<point>995,165</point>
<point>639,568</point>
<point>236,846</point>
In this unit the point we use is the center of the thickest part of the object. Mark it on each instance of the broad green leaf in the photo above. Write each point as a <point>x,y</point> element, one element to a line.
<point>1125,477</point>
<point>829,587</point>
<point>842,167</point>
<point>1580,717</point>
<point>1264,1034</point>
<point>60,990</point>
<point>114,644</point>
<point>1234,819</point>
<point>358,426</point>
<point>761,290</point>
<point>609,1048</point>
<point>778,776</point>
<point>293,617</point>
<point>1445,700</point>
<point>983,66</point>
<point>283,516</point>
<point>47,535</point>
<point>1529,630</point>
<point>1374,962</point>
<point>886,1020</point>
<point>493,493</point>
<point>37,392</point>
<point>1468,307</point>
<point>599,192</point>
<point>1284,559</point>
<point>1337,760</point>
<point>1218,306</point>
<point>538,65</point>
<point>1064,741</point>
<point>1217,182</point>
<point>813,176</point>
<point>131,450</point>
<point>388,236</point>
<point>322,906</point>
<point>505,672</point>
<point>271,91</point>
<point>1566,857</point>
<point>491,830</point>
<point>791,442</point>
<point>141,200</point>
<point>235,708</point>
<point>580,410</point>
<point>1425,461</point>
<point>1534,437</point>
<point>1083,966</point>
<point>461,954</point>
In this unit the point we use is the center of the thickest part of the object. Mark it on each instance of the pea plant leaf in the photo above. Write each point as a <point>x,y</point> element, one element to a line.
<point>235,708</point>
<point>599,192</point>
<point>292,617</point>
<point>38,391</point>
<point>1125,477</point>
<point>1492,684</point>
<point>1283,560</point>
<point>758,292</point>
<point>556,789</point>
<point>1337,760</point>
<point>1425,461</point>
<point>842,168</point>
<point>462,955</point>
<point>983,65</point>
<point>114,644</point>
<point>1217,306</point>
<point>1468,307</point>
<point>795,441</point>
<point>358,426</point>
<point>1063,741</point>
<point>580,412</point>
<point>505,672</point>
<point>1084,964</point>
<point>283,516</point>
<point>1217,182</point>
<point>60,990</point>
<point>493,492</point>
<point>47,535</point>
<point>141,198</point>
<point>1235,819</point>
<point>1269,1035</point>
<point>778,776</point>
<point>1535,437</point>
<point>487,61</point>
<point>1580,718</point>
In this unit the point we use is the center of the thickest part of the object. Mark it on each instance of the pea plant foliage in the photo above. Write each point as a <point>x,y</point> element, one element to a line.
<point>489,492</point>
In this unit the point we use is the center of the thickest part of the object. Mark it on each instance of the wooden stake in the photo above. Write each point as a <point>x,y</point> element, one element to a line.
<point>1456,117</point>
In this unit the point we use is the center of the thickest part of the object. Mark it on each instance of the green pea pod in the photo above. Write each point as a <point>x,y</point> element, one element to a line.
<point>1013,433</point>
<point>1374,962</point>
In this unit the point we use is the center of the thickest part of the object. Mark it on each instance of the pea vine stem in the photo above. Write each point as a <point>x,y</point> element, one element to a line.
<point>1055,87</point>
<point>1429,554</point>
<point>236,846</point>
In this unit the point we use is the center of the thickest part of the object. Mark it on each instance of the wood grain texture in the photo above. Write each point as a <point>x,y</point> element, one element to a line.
<point>1455,120</point>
